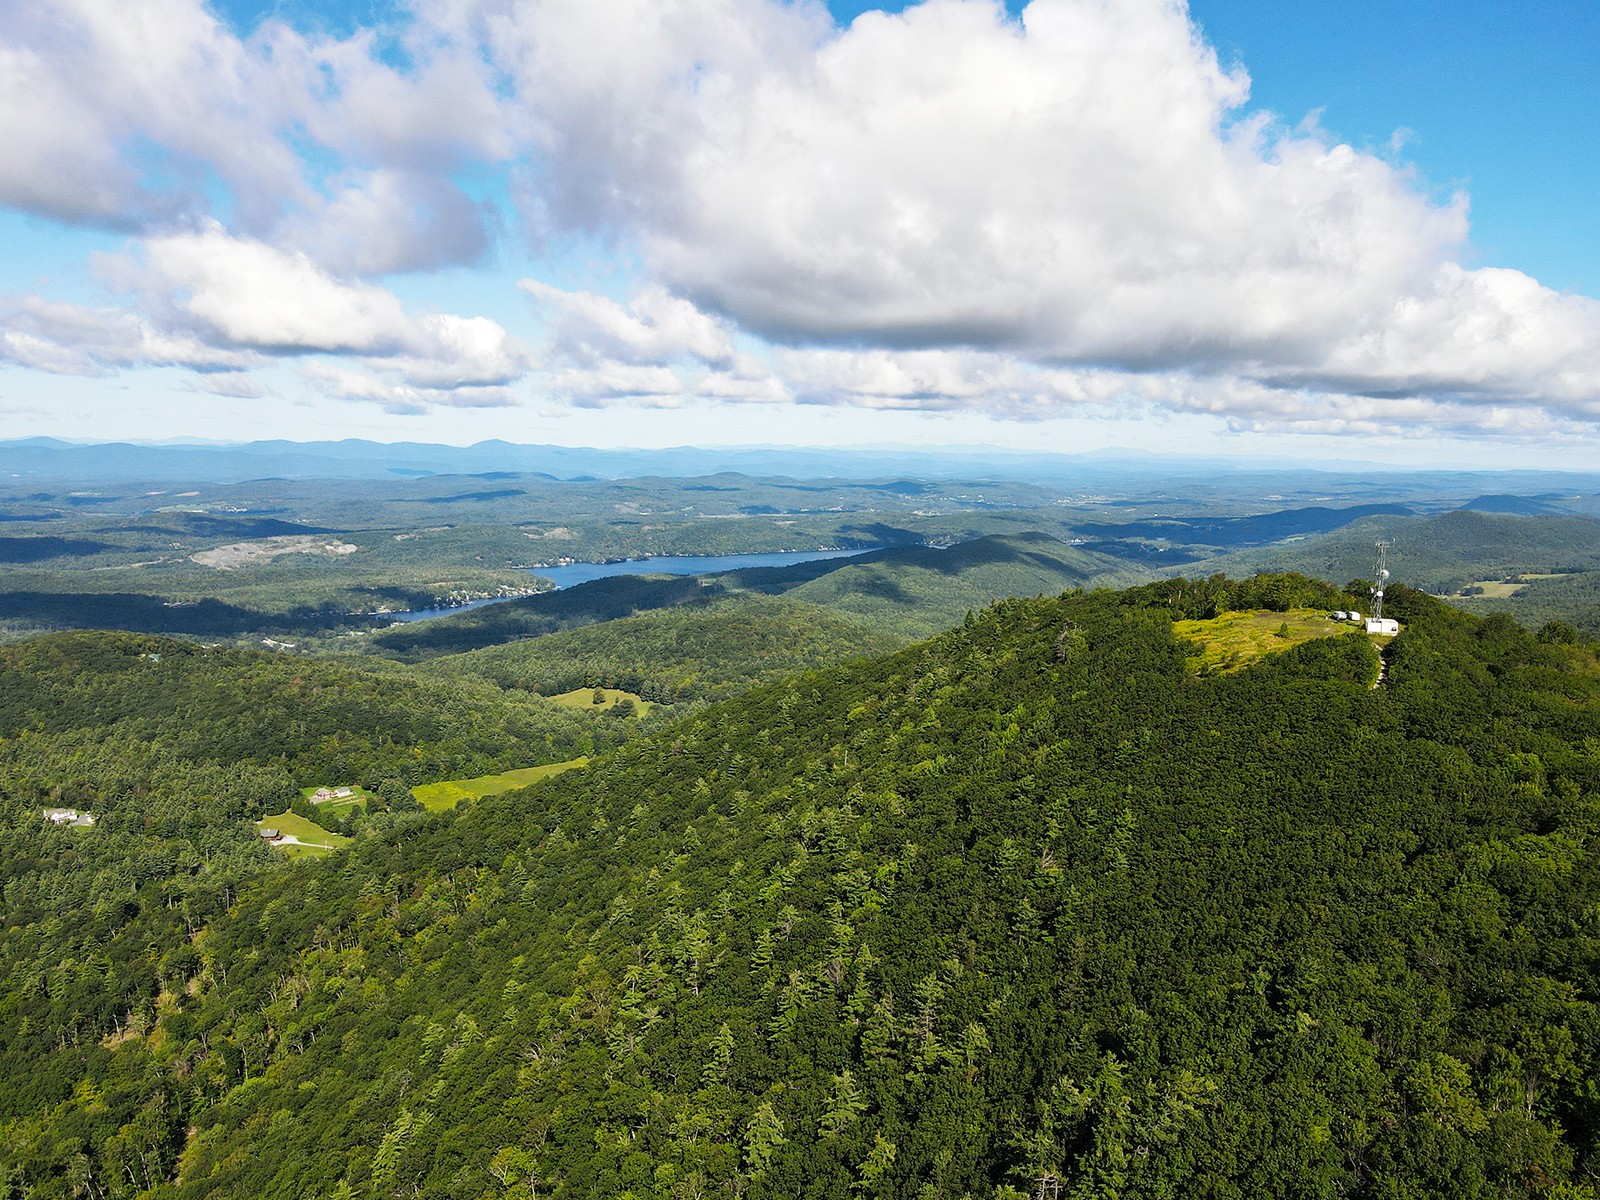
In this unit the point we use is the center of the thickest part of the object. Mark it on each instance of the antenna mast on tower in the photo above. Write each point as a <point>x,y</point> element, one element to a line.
<point>1379,578</point>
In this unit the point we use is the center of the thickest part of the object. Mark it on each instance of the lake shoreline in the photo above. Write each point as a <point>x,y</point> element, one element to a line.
<point>574,573</point>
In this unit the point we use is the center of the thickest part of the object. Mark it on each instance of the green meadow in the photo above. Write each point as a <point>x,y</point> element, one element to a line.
<point>437,797</point>
<point>1234,640</point>
<point>315,840</point>
<point>601,700</point>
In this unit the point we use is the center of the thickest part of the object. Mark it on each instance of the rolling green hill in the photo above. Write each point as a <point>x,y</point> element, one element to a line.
<point>919,591</point>
<point>706,650</point>
<point>313,720</point>
<point>178,751</point>
<point>1440,554</point>
<point>904,592</point>
<point>1027,906</point>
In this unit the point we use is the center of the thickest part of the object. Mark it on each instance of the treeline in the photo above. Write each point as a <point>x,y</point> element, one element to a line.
<point>1204,598</point>
<point>546,613</point>
<point>296,600</point>
<point>1572,600</point>
<point>914,593</point>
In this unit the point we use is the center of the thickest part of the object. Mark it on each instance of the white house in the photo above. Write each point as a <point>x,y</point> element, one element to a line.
<point>1382,625</point>
<point>68,816</point>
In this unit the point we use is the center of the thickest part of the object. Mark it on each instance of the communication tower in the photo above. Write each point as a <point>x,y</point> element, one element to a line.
<point>1379,577</point>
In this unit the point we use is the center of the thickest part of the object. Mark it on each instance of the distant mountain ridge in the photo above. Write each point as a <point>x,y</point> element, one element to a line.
<point>1245,531</point>
<point>354,458</point>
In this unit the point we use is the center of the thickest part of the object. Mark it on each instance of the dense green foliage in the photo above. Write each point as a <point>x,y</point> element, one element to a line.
<point>1027,902</point>
<point>694,651</point>
<point>1202,599</point>
<point>176,750</point>
<point>313,721</point>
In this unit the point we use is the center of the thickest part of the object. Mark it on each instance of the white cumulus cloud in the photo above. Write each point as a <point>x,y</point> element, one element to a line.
<point>655,327</point>
<point>387,220</point>
<point>396,394</point>
<point>1083,186</point>
<point>945,209</point>
<point>242,293</point>
<point>127,115</point>
<point>70,339</point>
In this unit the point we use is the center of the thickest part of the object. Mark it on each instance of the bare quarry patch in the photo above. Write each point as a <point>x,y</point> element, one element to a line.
<point>247,554</point>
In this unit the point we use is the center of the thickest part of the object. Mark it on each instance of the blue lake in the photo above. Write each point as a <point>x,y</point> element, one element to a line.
<point>572,574</point>
<point>575,573</point>
<point>425,614</point>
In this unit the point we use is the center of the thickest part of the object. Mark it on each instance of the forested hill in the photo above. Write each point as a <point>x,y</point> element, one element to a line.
<point>903,593</point>
<point>94,695</point>
<point>1029,902</point>
<point>705,650</point>
<point>921,590</point>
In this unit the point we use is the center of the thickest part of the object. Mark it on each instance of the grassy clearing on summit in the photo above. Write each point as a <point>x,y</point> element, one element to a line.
<point>1234,640</point>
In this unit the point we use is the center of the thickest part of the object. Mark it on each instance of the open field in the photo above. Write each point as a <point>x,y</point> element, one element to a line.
<point>311,839</point>
<point>437,797</point>
<point>1495,589</point>
<point>357,798</point>
<point>584,698</point>
<point>1234,640</point>
<point>1500,589</point>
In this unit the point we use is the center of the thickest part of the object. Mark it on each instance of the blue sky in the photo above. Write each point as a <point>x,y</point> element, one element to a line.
<point>1347,230</point>
<point>1498,98</point>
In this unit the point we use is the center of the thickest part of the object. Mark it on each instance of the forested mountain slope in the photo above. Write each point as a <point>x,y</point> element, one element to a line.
<point>707,650</point>
<point>1571,599</point>
<point>309,720</point>
<point>920,591</point>
<point>176,750</point>
<point>1029,902</point>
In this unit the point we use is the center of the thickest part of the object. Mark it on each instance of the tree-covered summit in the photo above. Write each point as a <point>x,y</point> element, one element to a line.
<point>1026,907</point>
